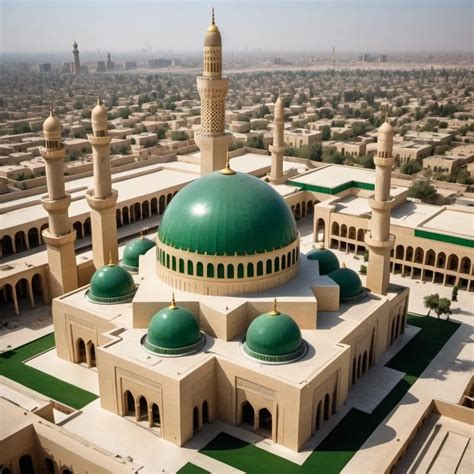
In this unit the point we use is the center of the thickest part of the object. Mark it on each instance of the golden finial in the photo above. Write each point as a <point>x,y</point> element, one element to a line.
<point>274,311</point>
<point>141,234</point>
<point>343,265</point>
<point>173,302</point>
<point>386,114</point>
<point>213,21</point>
<point>227,170</point>
<point>110,259</point>
<point>321,245</point>
<point>99,102</point>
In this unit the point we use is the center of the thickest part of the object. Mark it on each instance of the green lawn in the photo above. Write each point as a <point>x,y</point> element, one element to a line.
<point>12,366</point>
<point>347,437</point>
<point>190,468</point>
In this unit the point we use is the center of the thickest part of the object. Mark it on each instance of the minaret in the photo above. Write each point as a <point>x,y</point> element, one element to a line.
<point>58,237</point>
<point>378,239</point>
<point>211,138</point>
<point>77,64</point>
<point>333,56</point>
<point>278,147</point>
<point>102,198</point>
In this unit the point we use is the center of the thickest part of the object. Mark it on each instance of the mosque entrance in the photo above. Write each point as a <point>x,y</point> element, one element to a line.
<point>265,420</point>
<point>248,415</point>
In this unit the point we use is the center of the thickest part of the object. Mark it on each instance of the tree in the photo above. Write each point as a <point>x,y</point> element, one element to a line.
<point>363,270</point>
<point>454,294</point>
<point>179,135</point>
<point>256,142</point>
<point>133,141</point>
<point>411,167</point>
<point>160,133</point>
<point>326,131</point>
<point>431,302</point>
<point>443,307</point>
<point>422,190</point>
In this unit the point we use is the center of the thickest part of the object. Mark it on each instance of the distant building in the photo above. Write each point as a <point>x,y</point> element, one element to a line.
<point>299,137</point>
<point>160,62</point>
<point>110,64</point>
<point>77,63</point>
<point>67,69</point>
<point>129,65</point>
<point>100,66</point>
<point>383,58</point>
<point>46,67</point>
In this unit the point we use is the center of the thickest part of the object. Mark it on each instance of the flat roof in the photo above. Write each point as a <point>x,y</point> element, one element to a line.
<point>452,221</point>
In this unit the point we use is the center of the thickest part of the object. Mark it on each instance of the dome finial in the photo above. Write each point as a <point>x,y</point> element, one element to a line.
<point>212,17</point>
<point>227,170</point>
<point>321,245</point>
<point>274,311</point>
<point>99,101</point>
<point>51,112</point>
<point>343,265</point>
<point>173,302</point>
<point>110,259</point>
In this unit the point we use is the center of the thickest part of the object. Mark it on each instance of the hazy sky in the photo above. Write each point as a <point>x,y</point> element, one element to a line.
<point>303,25</point>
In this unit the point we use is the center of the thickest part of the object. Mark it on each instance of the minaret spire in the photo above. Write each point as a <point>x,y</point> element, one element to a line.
<point>212,87</point>
<point>278,148</point>
<point>378,239</point>
<point>59,237</point>
<point>102,198</point>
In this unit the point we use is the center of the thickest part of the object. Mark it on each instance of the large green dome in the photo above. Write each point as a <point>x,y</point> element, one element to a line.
<point>111,284</point>
<point>274,338</point>
<point>133,250</point>
<point>173,331</point>
<point>228,214</point>
<point>328,261</point>
<point>350,285</point>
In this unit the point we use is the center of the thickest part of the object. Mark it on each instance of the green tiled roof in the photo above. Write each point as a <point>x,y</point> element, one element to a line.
<point>110,285</point>
<point>335,189</point>
<point>133,250</point>
<point>223,214</point>
<point>451,239</point>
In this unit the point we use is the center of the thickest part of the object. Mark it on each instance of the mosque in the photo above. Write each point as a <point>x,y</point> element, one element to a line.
<point>222,316</point>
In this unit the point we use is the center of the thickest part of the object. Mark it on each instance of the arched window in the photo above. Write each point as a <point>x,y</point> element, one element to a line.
<point>240,270</point>
<point>230,271</point>
<point>210,270</point>
<point>277,264</point>
<point>335,228</point>
<point>288,259</point>
<point>173,263</point>
<point>181,265</point>
<point>167,261</point>
<point>220,271</point>
<point>259,268</point>
<point>190,268</point>
<point>269,267</point>
<point>283,262</point>
<point>250,270</point>
<point>465,266</point>
<point>199,269</point>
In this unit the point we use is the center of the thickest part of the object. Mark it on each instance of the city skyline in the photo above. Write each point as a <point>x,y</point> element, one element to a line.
<point>369,25</point>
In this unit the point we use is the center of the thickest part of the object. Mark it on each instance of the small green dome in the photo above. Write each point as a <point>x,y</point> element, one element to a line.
<point>228,214</point>
<point>133,250</point>
<point>328,261</point>
<point>111,284</point>
<point>351,289</point>
<point>274,338</point>
<point>173,331</point>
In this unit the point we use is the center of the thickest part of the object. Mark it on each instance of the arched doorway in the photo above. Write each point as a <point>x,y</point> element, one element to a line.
<point>319,415</point>
<point>33,237</point>
<point>36,284</point>
<point>26,465</point>
<point>78,228</point>
<point>91,350</point>
<point>81,351</point>
<point>265,419</point>
<point>155,415</point>
<point>129,403</point>
<point>143,406</point>
<point>205,412</point>
<point>248,414</point>
<point>326,406</point>
<point>7,245</point>
<point>49,464</point>
<point>195,420</point>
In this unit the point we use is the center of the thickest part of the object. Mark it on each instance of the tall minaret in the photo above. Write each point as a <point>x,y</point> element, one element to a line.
<point>211,138</point>
<point>278,147</point>
<point>58,237</point>
<point>102,198</point>
<point>77,64</point>
<point>378,239</point>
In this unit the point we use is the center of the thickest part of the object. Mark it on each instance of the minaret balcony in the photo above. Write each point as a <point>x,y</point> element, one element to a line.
<point>384,162</point>
<point>52,155</point>
<point>99,141</point>
<point>56,206</point>
<point>101,203</point>
<point>381,244</point>
<point>381,205</point>
<point>276,149</point>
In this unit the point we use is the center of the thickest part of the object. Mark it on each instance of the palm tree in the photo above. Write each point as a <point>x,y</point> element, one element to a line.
<point>443,307</point>
<point>431,302</point>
